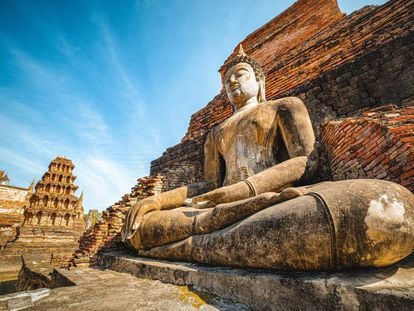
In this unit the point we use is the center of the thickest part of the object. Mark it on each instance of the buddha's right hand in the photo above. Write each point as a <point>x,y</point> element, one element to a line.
<point>136,214</point>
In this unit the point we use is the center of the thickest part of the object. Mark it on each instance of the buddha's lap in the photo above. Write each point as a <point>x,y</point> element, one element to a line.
<point>349,223</point>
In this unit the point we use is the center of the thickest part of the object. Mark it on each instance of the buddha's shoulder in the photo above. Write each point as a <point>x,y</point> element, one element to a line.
<point>285,102</point>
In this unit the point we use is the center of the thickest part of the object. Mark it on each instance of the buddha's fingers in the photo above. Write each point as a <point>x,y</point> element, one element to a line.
<point>130,218</point>
<point>128,224</point>
<point>293,192</point>
<point>211,197</point>
<point>231,193</point>
<point>140,214</point>
<point>135,216</point>
<point>126,232</point>
<point>125,227</point>
<point>129,234</point>
<point>133,212</point>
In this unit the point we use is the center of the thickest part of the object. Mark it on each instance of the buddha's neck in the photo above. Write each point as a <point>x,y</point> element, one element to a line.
<point>246,105</point>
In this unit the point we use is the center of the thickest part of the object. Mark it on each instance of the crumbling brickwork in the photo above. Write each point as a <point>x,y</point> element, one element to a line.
<point>338,65</point>
<point>181,164</point>
<point>105,235</point>
<point>13,202</point>
<point>379,144</point>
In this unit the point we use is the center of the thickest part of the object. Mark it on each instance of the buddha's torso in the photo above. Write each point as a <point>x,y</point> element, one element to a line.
<point>247,141</point>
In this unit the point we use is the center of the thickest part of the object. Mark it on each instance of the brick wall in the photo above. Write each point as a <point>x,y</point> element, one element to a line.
<point>338,65</point>
<point>380,144</point>
<point>381,76</point>
<point>181,164</point>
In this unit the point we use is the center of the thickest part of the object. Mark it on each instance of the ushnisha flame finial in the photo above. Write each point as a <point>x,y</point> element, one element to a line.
<point>241,51</point>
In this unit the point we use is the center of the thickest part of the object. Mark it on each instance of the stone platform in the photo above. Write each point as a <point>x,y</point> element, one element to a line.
<point>390,288</point>
<point>94,289</point>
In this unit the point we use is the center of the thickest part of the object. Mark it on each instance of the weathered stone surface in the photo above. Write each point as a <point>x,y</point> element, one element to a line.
<point>13,202</point>
<point>353,223</point>
<point>34,275</point>
<point>391,288</point>
<point>108,290</point>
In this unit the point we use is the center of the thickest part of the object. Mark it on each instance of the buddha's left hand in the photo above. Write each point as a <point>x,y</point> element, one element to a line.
<point>224,194</point>
<point>135,215</point>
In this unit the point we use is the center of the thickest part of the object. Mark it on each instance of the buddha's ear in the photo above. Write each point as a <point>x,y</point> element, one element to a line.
<point>261,96</point>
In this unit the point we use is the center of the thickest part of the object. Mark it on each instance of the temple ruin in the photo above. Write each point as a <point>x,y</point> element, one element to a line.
<point>355,75</point>
<point>43,226</point>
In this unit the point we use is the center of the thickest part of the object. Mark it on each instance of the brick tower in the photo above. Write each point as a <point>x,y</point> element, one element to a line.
<point>54,202</point>
<point>53,221</point>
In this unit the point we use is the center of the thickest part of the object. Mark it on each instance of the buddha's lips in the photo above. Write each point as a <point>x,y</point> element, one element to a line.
<point>234,87</point>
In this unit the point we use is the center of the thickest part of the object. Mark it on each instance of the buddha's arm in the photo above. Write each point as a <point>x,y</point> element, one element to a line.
<point>175,198</point>
<point>297,134</point>
<point>273,179</point>
<point>212,167</point>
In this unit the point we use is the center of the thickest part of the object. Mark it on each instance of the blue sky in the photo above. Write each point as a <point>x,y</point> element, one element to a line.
<point>112,84</point>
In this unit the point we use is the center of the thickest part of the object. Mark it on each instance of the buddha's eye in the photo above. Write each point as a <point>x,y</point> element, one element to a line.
<point>241,73</point>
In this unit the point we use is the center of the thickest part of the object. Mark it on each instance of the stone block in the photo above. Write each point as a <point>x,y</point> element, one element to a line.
<point>383,289</point>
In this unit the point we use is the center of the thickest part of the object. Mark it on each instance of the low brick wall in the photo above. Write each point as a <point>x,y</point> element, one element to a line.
<point>380,145</point>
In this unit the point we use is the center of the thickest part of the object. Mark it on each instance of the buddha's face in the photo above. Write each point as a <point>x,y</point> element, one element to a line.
<point>241,85</point>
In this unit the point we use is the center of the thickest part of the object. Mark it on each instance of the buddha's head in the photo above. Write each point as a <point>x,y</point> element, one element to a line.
<point>244,81</point>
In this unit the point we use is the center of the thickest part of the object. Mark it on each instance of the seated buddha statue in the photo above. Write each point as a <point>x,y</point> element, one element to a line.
<point>254,208</point>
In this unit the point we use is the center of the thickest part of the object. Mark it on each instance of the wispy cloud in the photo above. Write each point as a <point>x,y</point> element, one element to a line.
<point>101,178</point>
<point>89,124</point>
<point>126,85</point>
<point>18,161</point>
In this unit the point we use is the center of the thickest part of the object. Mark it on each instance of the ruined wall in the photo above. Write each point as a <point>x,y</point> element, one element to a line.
<point>379,144</point>
<point>13,201</point>
<point>338,65</point>
<point>44,227</point>
<point>105,235</point>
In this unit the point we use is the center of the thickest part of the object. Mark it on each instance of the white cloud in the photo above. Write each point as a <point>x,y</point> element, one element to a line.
<point>26,163</point>
<point>104,180</point>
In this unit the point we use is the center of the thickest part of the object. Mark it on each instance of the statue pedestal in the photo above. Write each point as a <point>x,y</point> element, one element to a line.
<point>368,289</point>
